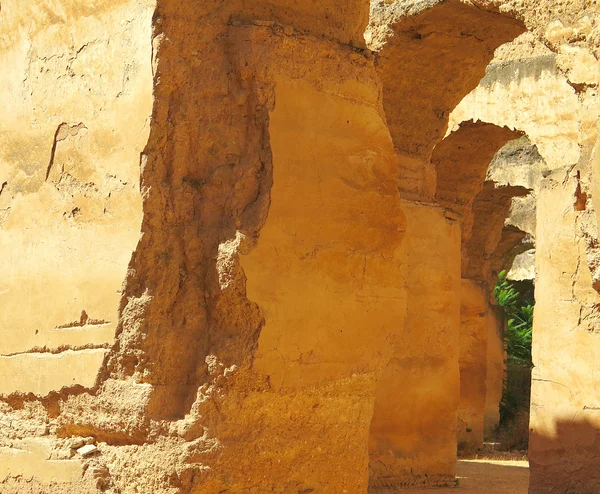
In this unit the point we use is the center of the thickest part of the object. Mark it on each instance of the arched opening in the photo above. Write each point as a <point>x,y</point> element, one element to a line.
<point>413,430</point>
<point>529,84</point>
<point>312,283</point>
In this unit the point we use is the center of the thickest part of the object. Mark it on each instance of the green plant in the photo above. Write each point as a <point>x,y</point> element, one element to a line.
<point>519,328</point>
<point>504,293</point>
<point>519,335</point>
<point>518,338</point>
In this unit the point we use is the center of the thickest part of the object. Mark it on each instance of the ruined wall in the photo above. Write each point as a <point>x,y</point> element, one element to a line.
<point>520,164</point>
<point>241,334</point>
<point>70,202</point>
<point>76,88</point>
<point>270,288</point>
<point>417,446</point>
<point>564,427</point>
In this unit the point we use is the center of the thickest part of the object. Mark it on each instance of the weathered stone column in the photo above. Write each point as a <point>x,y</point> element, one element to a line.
<point>473,363</point>
<point>494,379</point>
<point>413,437</point>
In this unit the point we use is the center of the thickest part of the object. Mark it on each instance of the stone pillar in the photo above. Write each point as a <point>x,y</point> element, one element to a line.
<point>327,274</point>
<point>494,380</point>
<point>413,437</point>
<point>481,366</point>
<point>473,361</point>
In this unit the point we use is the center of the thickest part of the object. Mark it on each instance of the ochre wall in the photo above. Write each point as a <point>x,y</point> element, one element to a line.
<point>564,439</point>
<point>239,365</point>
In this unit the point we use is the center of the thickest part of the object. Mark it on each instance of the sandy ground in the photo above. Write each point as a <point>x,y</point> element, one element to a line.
<point>486,477</point>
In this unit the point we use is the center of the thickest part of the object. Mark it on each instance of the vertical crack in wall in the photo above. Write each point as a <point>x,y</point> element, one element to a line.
<point>63,131</point>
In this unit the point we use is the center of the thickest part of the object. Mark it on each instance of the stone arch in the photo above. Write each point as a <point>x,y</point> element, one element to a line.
<point>534,92</point>
<point>430,55</point>
<point>420,46</point>
<point>413,432</point>
<point>211,377</point>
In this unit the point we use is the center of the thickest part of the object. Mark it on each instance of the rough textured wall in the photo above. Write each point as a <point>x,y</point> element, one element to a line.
<point>564,436</point>
<point>413,438</point>
<point>420,45</point>
<point>327,273</point>
<point>204,389</point>
<point>519,163</point>
<point>564,423</point>
<point>528,94</point>
<point>76,96</point>
<point>267,292</point>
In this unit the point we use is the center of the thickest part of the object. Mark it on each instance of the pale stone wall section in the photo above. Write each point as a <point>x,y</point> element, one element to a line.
<point>31,459</point>
<point>76,97</point>
<point>531,96</point>
<point>41,373</point>
<point>564,420</point>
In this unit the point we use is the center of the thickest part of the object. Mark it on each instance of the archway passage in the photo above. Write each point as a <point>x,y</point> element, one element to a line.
<point>486,243</point>
<point>420,47</point>
<point>413,431</point>
<point>262,321</point>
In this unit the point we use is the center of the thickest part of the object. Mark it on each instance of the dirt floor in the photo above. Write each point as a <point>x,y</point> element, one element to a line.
<point>486,477</point>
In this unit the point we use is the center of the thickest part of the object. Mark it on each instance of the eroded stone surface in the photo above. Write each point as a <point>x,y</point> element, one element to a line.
<point>271,317</point>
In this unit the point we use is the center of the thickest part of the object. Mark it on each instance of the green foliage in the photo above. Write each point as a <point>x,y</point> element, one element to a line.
<point>518,335</point>
<point>520,321</point>
<point>504,293</point>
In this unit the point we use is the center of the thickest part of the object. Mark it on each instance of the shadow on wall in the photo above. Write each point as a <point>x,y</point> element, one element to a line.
<point>567,462</point>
